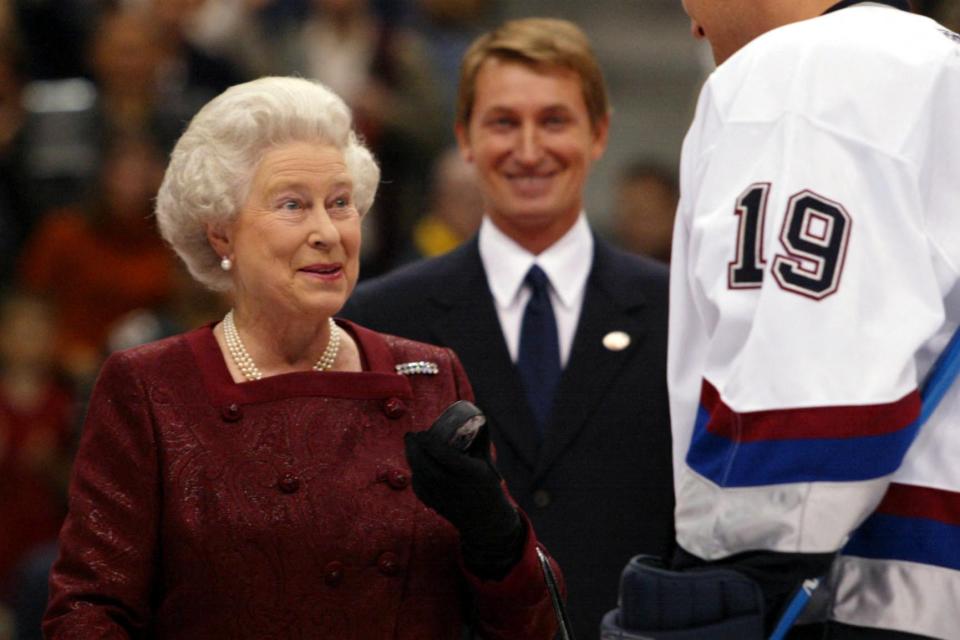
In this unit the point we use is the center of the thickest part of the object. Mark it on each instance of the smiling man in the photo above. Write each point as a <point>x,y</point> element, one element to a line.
<point>562,336</point>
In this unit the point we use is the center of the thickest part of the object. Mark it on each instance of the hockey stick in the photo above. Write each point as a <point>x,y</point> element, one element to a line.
<point>941,377</point>
<point>796,606</point>
<point>566,633</point>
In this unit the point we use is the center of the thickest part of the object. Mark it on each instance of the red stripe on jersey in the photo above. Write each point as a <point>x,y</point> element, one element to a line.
<point>810,423</point>
<point>921,502</point>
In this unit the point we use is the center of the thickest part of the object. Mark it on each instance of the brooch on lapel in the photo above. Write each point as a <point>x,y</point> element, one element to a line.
<point>421,367</point>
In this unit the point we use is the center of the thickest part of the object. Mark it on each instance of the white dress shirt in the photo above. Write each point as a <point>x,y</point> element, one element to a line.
<point>567,264</point>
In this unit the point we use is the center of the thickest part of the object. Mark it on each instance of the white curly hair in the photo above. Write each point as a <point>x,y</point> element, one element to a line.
<point>214,160</point>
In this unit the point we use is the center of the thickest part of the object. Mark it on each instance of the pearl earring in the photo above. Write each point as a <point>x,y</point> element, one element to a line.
<point>226,263</point>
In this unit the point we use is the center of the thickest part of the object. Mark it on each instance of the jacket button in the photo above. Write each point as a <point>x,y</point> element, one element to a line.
<point>388,563</point>
<point>542,498</point>
<point>333,573</point>
<point>398,480</point>
<point>288,483</point>
<point>231,413</point>
<point>394,408</point>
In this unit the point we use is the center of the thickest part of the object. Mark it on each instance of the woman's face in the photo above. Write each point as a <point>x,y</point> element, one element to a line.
<point>295,244</point>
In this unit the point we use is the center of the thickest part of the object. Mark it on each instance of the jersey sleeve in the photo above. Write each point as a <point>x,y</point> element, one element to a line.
<point>803,288</point>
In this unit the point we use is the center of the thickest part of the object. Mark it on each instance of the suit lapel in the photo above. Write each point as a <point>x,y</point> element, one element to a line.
<point>607,307</point>
<point>467,322</point>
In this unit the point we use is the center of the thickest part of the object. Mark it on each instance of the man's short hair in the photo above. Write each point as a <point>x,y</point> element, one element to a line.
<point>541,43</point>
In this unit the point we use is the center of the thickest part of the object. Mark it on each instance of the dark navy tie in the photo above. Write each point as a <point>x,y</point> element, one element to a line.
<point>539,358</point>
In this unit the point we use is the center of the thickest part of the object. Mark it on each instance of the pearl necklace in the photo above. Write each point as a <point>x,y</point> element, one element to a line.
<point>245,363</point>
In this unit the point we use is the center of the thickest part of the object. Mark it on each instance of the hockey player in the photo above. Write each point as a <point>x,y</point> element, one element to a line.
<point>815,272</point>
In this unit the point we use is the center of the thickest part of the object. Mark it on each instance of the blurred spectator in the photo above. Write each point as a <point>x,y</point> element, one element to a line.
<point>189,306</point>
<point>342,44</point>
<point>53,33</point>
<point>229,29</point>
<point>948,14</point>
<point>146,80</point>
<point>383,73</point>
<point>125,56</point>
<point>6,622</point>
<point>149,77</point>
<point>104,260</point>
<point>274,13</point>
<point>70,120</point>
<point>35,430</point>
<point>188,72</point>
<point>7,29</point>
<point>16,219</point>
<point>30,591</point>
<point>456,207</point>
<point>645,208</point>
<point>448,27</point>
<point>61,141</point>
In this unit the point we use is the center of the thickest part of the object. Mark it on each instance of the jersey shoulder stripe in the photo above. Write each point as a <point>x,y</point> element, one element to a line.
<point>823,444</point>
<point>851,421</point>
<point>911,501</point>
<point>885,537</point>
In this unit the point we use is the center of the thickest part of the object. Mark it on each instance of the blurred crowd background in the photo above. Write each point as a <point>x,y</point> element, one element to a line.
<point>93,95</point>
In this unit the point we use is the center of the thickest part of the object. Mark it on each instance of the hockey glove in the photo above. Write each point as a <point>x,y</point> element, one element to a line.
<point>709,604</point>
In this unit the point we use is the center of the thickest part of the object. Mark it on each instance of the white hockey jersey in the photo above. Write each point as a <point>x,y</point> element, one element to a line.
<point>815,272</point>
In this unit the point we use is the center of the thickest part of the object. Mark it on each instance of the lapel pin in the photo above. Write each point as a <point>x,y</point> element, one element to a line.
<point>616,341</point>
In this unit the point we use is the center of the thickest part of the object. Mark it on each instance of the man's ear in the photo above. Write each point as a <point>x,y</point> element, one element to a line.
<point>219,239</point>
<point>601,131</point>
<point>463,142</point>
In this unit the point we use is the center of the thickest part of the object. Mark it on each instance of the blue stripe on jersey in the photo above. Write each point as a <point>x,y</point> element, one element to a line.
<point>728,463</point>
<point>889,537</point>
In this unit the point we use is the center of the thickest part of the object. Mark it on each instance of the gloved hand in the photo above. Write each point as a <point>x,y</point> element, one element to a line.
<point>465,489</point>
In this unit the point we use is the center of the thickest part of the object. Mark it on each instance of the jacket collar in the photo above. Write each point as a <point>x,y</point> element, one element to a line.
<point>463,276</point>
<point>379,379</point>
<point>567,262</point>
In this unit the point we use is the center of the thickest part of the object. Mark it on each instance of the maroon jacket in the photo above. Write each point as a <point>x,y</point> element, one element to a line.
<point>280,508</point>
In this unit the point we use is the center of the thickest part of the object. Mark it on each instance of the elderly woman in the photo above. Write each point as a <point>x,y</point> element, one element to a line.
<point>251,479</point>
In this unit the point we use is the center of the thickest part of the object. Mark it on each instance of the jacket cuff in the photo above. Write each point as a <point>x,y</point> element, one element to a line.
<point>524,583</point>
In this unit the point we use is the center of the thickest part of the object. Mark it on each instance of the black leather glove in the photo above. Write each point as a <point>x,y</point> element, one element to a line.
<point>465,488</point>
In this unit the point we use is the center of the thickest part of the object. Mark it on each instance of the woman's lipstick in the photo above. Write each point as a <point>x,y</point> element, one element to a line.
<point>324,270</point>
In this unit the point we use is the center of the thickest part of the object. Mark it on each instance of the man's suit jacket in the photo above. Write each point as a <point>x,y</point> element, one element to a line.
<point>598,489</point>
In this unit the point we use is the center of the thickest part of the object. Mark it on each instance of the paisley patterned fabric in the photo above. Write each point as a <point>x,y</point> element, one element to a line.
<point>280,508</point>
